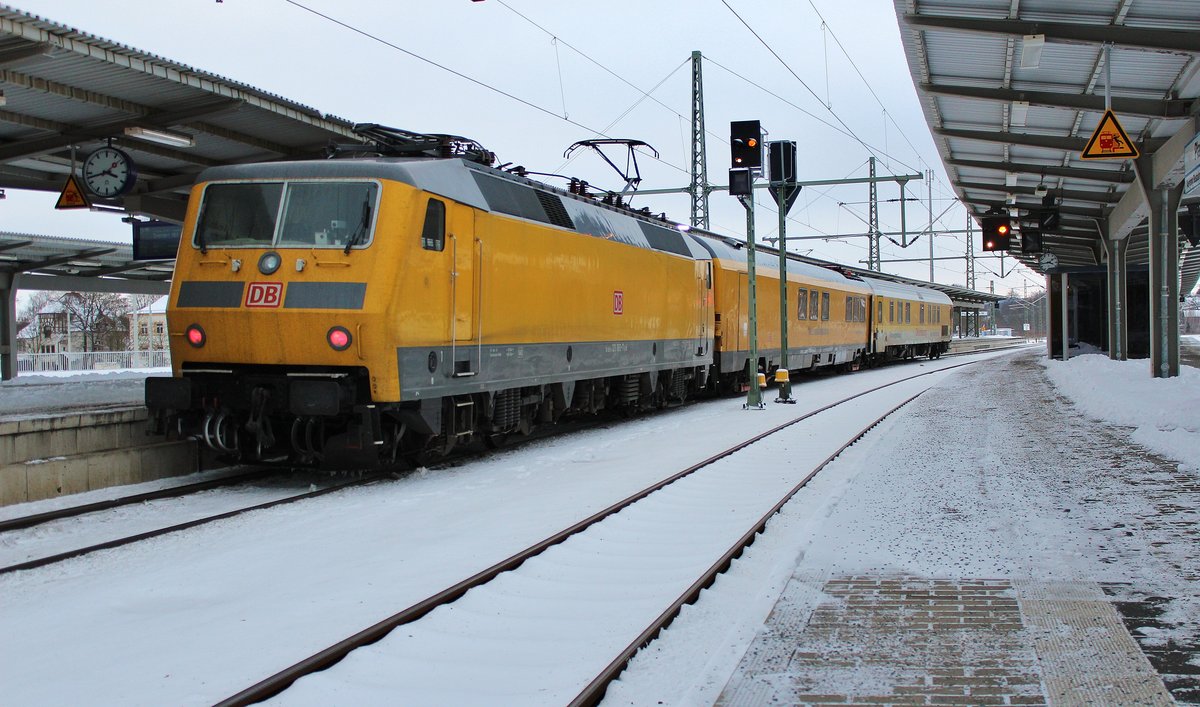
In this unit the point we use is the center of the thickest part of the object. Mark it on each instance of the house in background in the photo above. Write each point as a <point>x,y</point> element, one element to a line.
<point>52,330</point>
<point>147,326</point>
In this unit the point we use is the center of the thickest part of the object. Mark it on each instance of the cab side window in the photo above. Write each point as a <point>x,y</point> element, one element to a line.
<point>802,303</point>
<point>433,234</point>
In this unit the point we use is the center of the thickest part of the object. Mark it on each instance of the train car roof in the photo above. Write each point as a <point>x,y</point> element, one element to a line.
<point>727,249</point>
<point>489,190</point>
<point>900,290</point>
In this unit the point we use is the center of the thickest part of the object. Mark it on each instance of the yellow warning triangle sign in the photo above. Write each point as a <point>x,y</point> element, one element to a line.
<point>72,196</point>
<point>1110,141</point>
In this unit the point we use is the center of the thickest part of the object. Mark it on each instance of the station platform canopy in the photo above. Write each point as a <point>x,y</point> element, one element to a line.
<point>48,263</point>
<point>65,91</point>
<point>1013,91</point>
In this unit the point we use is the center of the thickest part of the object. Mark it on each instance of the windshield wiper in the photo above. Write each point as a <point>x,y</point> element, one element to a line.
<point>360,229</point>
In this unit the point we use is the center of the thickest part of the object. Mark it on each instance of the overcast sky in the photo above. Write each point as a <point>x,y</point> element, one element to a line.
<point>581,70</point>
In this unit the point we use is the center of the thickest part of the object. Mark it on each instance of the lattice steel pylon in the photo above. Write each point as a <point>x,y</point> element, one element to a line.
<point>873,263</point>
<point>700,188</point>
<point>970,251</point>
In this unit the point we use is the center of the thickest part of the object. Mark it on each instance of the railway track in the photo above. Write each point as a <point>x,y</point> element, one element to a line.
<point>48,559</point>
<point>35,519</point>
<point>687,482</point>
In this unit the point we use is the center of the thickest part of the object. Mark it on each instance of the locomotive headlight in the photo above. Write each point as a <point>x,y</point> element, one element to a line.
<point>269,262</point>
<point>195,335</point>
<point>339,338</point>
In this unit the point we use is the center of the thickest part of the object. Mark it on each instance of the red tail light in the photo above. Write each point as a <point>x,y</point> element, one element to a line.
<point>195,336</point>
<point>339,338</point>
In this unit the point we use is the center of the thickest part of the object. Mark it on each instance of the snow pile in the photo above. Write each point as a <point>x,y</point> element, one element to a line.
<point>1165,412</point>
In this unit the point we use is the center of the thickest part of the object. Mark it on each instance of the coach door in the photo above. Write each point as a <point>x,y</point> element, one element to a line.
<point>743,314</point>
<point>465,256</point>
<point>704,285</point>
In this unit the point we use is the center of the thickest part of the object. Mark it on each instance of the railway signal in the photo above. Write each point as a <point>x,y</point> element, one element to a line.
<point>745,144</point>
<point>997,230</point>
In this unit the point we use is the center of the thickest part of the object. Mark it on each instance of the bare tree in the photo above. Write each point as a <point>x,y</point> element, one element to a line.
<point>33,305</point>
<point>100,317</point>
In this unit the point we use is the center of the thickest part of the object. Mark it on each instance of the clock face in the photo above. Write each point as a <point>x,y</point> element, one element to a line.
<point>1048,260</point>
<point>108,172</point>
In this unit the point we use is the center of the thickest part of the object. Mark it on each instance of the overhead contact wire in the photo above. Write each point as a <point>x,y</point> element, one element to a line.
<point>459,74</point>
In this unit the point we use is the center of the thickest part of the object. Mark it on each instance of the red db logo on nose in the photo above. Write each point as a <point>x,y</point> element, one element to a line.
<point>264,294</point>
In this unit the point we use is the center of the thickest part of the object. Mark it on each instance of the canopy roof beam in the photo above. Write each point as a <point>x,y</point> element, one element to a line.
<point>1068,99</point>
<point>1171,40</point>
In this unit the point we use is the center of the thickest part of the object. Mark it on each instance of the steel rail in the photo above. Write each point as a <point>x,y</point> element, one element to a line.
<point>594,692</point>
<point>51,559</point>
<point>59,514</point>
<point>280,681</point>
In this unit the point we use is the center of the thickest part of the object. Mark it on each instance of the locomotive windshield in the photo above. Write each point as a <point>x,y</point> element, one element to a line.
<point>286,215</point>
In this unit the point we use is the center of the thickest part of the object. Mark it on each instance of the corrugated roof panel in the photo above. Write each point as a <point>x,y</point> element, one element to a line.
<point>1166,14</point>
<point>982,8</point>
<point>1139,71</point>
<point>953,55</point>
<point>1048,121</point>
<point>968,113</point>
<point>1060,65</point>
<point>1099,12</point>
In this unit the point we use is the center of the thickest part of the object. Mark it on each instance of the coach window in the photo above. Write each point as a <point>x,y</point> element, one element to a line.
<point>908,312</point>
<point>802,303</point>
<point>814,306</point>
<point>433,235</point>
<point>921,314</point>
<point>891,311</point>
<point>879,311</point>
<point>824,306</point>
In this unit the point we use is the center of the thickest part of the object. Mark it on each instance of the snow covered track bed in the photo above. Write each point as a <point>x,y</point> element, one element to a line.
<point>193,617</point>
<point>508,628</point>
<point>53,536</point>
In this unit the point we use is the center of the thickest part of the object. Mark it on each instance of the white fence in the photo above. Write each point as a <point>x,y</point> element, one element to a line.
<point>92,360</point>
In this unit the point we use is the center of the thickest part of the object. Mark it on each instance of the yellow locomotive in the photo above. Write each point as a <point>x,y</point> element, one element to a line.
<point>350,311</point>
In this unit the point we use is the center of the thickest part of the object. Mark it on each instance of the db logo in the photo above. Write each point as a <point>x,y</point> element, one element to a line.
<point>618,302</point>
<point>264,294</point>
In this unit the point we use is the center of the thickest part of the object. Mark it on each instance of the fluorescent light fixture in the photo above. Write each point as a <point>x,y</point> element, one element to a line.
<point>1010,179</point>
<point>1018,113</point>
<point>162,137</point>
<point>1031,50</point>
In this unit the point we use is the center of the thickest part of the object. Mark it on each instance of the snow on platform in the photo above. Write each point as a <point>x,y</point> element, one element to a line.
<point>73,392</point>
<point>990,539</point>
<point>1023,533</point>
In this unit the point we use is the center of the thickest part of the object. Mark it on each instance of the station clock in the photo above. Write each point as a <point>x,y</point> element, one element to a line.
<point>109,172</point>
